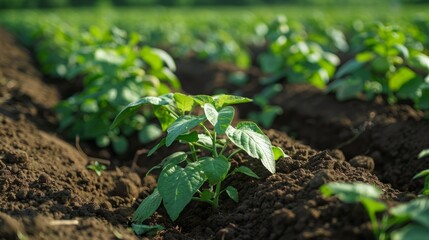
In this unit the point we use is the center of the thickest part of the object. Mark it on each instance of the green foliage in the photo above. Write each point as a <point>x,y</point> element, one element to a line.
<point>115,70</point>
<point>199,173</point>
<point>141,229</point>
<point>423,153</point>
<point>424,174</point>
<point>97,168</point>
<point>293,57</point>
<point>386,63</point>
<point>403,222</point>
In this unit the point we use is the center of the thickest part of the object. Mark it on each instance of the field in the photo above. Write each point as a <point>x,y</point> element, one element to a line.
<point>269,122</point>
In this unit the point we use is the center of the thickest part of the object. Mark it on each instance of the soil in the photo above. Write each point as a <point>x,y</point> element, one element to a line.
<point>46,192</point>
<point>392,135</point>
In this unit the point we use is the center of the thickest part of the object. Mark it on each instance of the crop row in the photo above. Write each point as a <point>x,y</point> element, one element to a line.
<point>118,67</point>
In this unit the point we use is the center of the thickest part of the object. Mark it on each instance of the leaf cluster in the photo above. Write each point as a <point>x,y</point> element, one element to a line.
<point>406,221</point>
<point>212,140</point>
<point>115,70</point>
<point>388,63</point>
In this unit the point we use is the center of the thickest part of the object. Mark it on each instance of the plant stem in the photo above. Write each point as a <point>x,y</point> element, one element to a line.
<point>214,145</point>
<point>224,148</point>
<point>202,146</point>
<point>216,196</point>
<point>194,155</point>
<point>233,153</point>
<point>205,129</point>
<point>203,200</point>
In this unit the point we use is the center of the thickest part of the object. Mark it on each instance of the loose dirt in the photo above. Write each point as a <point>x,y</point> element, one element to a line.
<point>46,192</point>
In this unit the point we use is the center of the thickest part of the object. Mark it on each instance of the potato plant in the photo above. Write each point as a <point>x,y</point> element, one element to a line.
<point>293,57</point>
<point>116,72</point>
<point>213,141</point>
<point>423,174</point>
<point>386,63</point>
<point>406,221</point>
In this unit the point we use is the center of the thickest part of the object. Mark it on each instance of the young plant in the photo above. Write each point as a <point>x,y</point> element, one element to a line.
<point>387,62</point>
<point>404,222</point>
<point>213,142</point>
<point>292,56</point>
<point>424,174</point>
<point>97,168</point>
<point>116,71</point>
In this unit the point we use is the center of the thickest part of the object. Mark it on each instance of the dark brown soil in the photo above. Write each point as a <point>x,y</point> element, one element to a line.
<point>44,179</point>
<point>392,135</point>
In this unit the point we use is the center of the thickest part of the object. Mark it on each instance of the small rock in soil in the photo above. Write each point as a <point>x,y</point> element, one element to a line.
<point>363,162</point>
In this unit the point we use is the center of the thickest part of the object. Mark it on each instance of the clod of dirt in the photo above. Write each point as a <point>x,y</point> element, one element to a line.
<point>9,227</point>
<point>125,188</point>
<point>363,162</point>
<point>321,177</point>
<point>16,156</point>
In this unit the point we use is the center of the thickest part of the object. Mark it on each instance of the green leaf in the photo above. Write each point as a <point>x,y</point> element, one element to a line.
<point>206,194</point>
<point>156,147</point>
<point>178,185</point>
<point>152,58</point>
<point>250,126</point>
<point>270,63</point>
<point>183,102</point>
<point>346,88</point>
<point>411,89</point>
<point>417,210</point>
<point>246,171</point>
<point>350,192</point>
<point>120,145</point>
<point>205,140</point>
<point>215,169</point>
<point>411,232</point>
<point>226,100</point>
<point>102,141</point>
<point>220,120</point>
<point>168,60</point>
<point>149,205</point>
<point>400,77</point>
<point>133,107</point>
<point>173,159</point>
<point>163,114</point>
<point>423,153</point>
<point>402,50</point>
<point>97,168</point>
<point>140,229</point>
<point>349,67</point>
<point>248,137</point>
<point>278,153</point>
<point>423,173</point>
<point>182,125</point>
<point>190,137</point>
<point>202,99</point>
<point>372,205</point>
<point>365,57</point>
<point>149,133</point>
<point>232,193</point>
<point>423,101</point>
<point>421,60</point>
